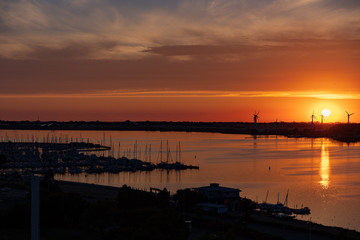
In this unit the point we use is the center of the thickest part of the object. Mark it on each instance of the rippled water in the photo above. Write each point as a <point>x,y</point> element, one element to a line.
<point>319,173</point>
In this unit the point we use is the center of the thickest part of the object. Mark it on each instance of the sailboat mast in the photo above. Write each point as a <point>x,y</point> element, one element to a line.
<point>286,198</point>
<point>167,151</point>
<point>161,151</point>
<point>145,154</point>
<point>150,153</point>
<point>176,154</point>
<point>267,194</point>
<point>179,153</point>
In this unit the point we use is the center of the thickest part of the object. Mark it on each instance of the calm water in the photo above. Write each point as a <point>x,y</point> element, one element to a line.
<point>319,173</point>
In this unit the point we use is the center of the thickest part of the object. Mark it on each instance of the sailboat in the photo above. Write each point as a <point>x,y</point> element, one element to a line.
<point>282,210</point>
<point>177,165</point>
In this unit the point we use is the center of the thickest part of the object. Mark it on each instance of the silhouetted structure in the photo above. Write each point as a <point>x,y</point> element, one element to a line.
<point>349,114</point>
<point>256,116</point>
<point>312,118</point>
<point>218,194</point>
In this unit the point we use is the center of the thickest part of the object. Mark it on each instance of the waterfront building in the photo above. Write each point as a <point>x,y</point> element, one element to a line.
<point>217,194</point>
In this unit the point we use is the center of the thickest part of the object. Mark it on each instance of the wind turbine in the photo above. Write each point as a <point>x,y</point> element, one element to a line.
<point>256,116</point>
<point>349,114</point>
<point>312,118</point>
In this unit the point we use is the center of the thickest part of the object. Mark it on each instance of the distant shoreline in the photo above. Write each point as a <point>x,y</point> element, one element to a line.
<point>348,133</point>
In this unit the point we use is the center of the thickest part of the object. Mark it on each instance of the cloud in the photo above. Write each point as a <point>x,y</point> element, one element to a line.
<point>23,15</point>
<point>138,25</point>
<point>66,47</point>
<point>301,65</point>
<point>71,51</point>
<point>163,93</point>
<point>290,46</point>
<point>203,50</point>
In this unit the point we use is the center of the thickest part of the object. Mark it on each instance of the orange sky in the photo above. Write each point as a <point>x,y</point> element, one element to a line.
<point>218,60</point>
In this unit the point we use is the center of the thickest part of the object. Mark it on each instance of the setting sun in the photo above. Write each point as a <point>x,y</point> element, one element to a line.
<point>326,112</point>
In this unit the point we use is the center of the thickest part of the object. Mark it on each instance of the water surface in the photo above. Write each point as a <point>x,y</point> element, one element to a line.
<point>319,173</point>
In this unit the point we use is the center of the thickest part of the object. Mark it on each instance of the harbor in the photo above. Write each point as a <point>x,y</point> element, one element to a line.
<point>26,158</point>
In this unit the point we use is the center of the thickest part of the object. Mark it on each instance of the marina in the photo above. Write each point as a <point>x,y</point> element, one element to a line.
<point>281,210</point>
<point>26,158</point>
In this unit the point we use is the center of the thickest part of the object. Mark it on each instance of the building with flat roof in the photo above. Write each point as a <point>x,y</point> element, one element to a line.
<point>218,194</point>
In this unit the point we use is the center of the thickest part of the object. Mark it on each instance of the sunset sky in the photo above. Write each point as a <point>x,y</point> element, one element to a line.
<point>179,60</point>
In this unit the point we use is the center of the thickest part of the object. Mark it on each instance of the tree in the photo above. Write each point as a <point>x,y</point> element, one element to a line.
<point>187,198</point>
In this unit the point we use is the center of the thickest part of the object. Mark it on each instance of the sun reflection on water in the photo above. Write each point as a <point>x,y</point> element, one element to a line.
<point>324,167</point>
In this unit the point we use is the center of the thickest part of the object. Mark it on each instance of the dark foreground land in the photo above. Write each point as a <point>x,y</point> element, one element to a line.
<point>337,131</point>
<point>84,211</point>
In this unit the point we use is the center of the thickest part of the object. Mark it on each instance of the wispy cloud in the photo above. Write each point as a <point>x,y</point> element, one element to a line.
<point>192,94</point>
<point>27,25</point>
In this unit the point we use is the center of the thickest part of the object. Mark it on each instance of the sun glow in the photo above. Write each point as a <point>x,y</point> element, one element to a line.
<point>324,167</point>
<point>326,112</point>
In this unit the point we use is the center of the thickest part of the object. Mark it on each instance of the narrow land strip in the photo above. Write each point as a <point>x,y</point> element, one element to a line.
<point>337,131</point>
